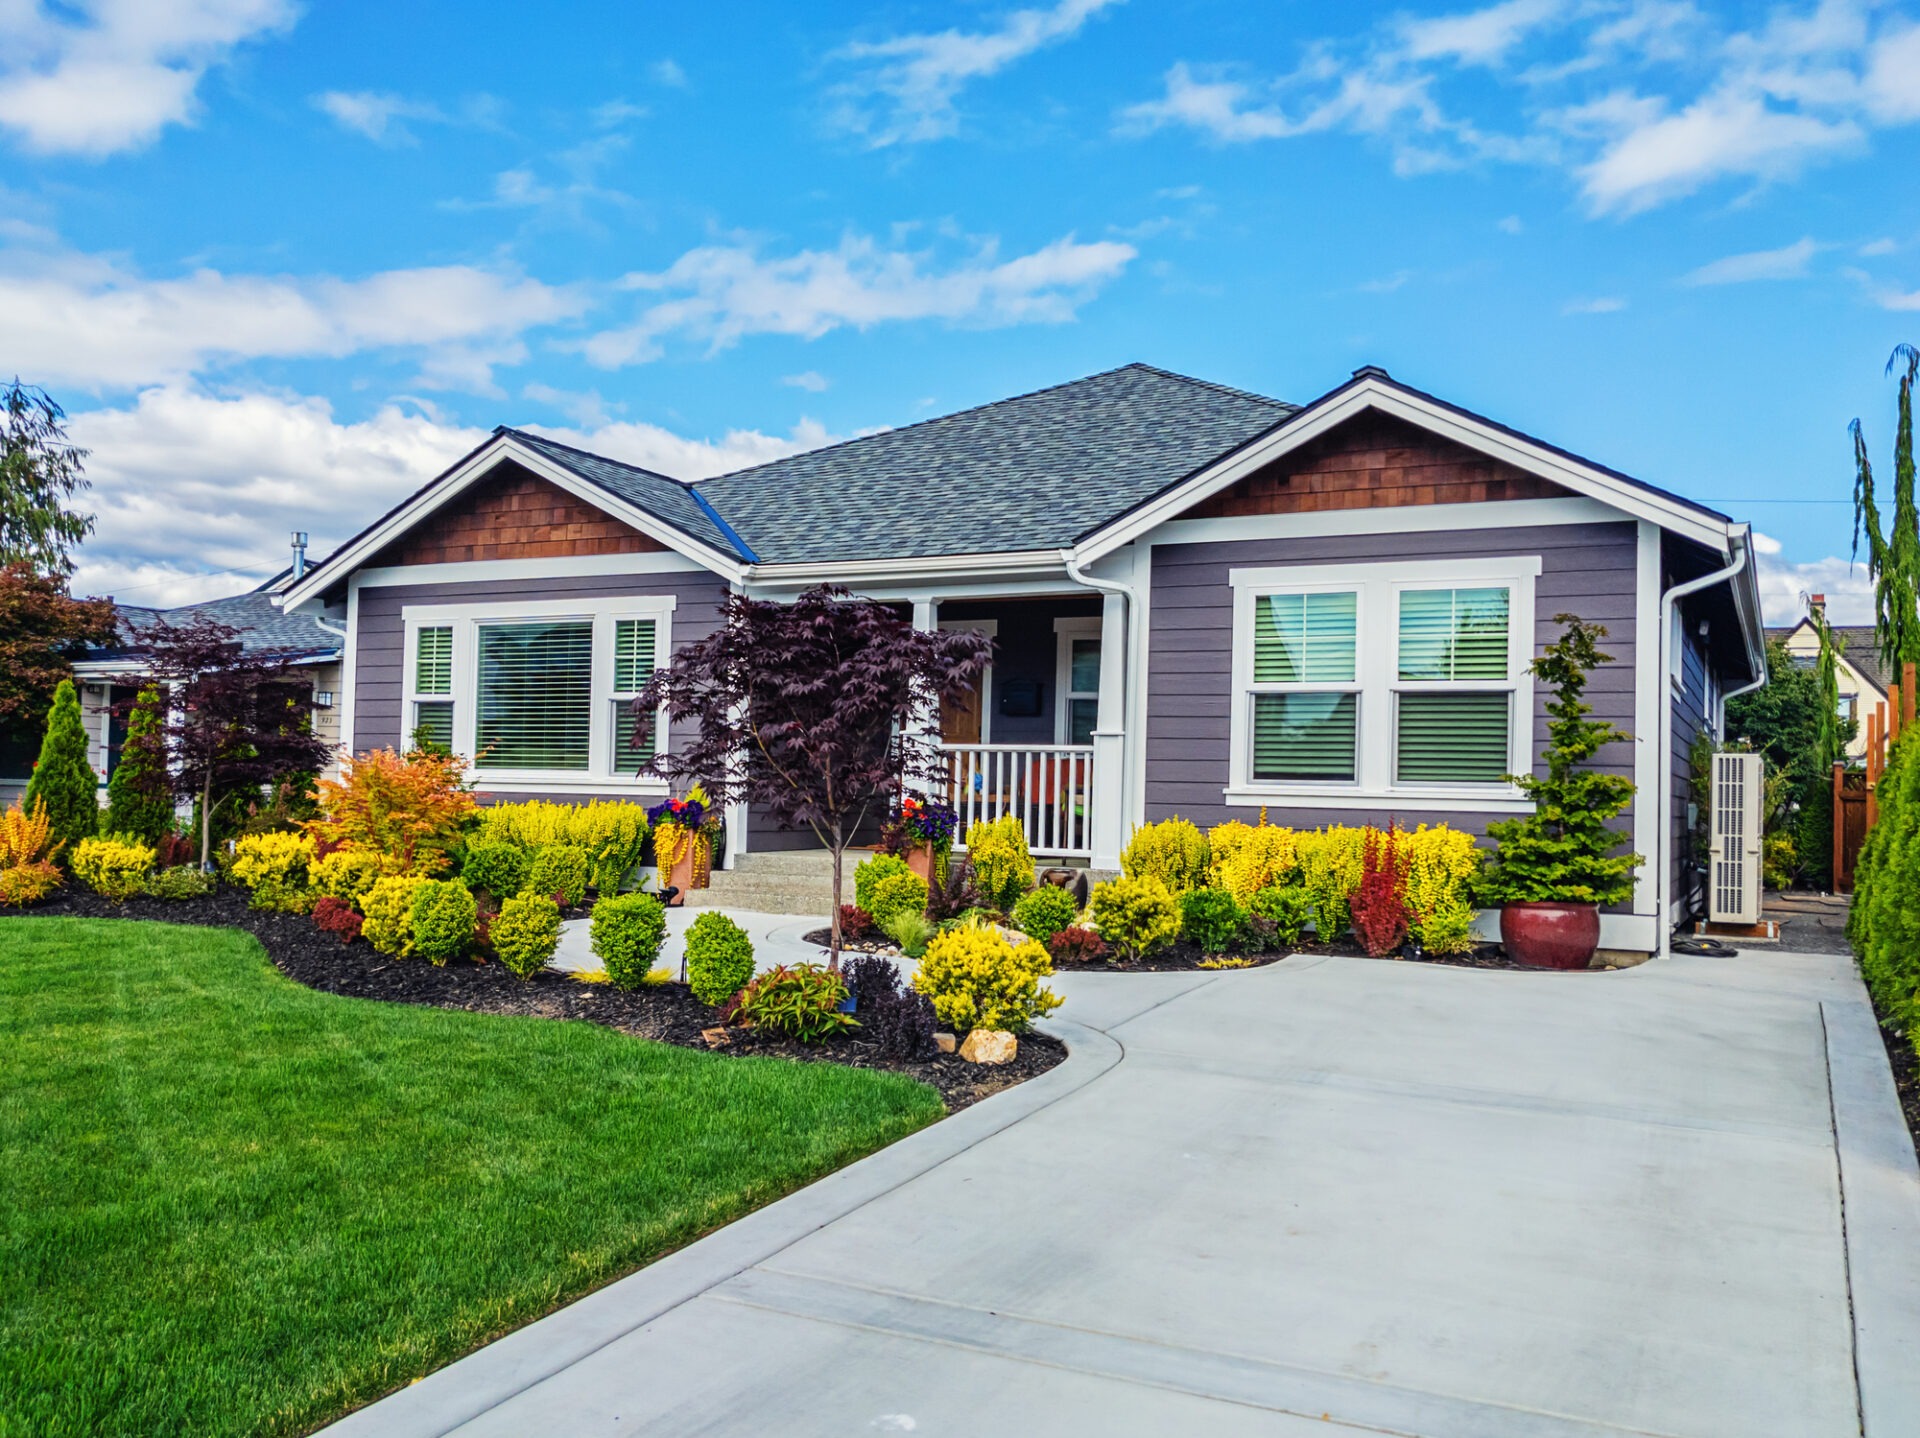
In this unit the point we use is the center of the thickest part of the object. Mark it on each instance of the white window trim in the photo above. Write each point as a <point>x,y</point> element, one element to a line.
<point>465,620</point>
<point>1378,587</point>
<point>1065,631</point>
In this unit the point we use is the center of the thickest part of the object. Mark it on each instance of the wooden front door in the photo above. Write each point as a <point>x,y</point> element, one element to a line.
<point>960,719</point>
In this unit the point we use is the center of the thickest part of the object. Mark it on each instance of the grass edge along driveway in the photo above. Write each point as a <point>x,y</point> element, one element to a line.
<point>233,1205</point>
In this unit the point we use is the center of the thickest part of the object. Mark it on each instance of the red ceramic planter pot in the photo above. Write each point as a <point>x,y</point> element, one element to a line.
<point>1551,936</point>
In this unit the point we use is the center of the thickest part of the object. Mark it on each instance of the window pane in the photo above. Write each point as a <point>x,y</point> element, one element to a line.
<point>1452,739</point>
<point>1084,675</point>
<point>534,695</point>
<point>434,723</point>
<point>1082,715</point>
<point>433,661</point>
<point>1453,634</point>
<point>629,757</point>
<point>1304,638</point>
<point>1304,736</point>
<point>632,655</point>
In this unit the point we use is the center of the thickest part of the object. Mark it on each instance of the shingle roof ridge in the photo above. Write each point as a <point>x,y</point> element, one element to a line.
<point>982,408</point>
<point>528,434</point>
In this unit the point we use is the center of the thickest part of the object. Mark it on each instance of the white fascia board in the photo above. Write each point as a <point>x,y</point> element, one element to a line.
<point>461,477</point>
<point>1403,519</point>
<point>1390,399</point>
<point>472,571</point>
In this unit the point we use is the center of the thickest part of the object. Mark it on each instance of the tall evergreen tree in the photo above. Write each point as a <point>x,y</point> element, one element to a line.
<point>140,791</point>
<point>63,780</point>
<point>40,471</point>
<point>1893,559</point>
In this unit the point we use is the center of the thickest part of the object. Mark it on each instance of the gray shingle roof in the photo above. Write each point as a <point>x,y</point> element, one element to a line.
<point>666,499</point>
<point>263,627</point>
<point>1033,472</point>
<point>1857,646</point>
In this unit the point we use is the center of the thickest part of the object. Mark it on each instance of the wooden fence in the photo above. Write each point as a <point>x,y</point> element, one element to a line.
<point>1856,807</point>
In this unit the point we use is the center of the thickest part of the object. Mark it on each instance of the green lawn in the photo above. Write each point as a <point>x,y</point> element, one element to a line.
<point>232,1205</point>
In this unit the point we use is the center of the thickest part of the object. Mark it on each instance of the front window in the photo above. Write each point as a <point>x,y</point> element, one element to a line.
<point>534,695</point>
<point>1083,690</point>
<point>633,660</point>
<point>1305,696</point>
<point>433,685</point>
<point>1453,708</point>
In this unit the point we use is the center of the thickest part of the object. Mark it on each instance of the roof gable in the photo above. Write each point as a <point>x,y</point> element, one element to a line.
<point>514,514</point>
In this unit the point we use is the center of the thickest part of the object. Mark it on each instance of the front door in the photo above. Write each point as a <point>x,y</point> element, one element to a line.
<point>964,720</point>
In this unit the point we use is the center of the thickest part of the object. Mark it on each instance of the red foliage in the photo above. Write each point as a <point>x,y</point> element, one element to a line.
<point>174,850</point>
<point>856,923</point>
<point>1075,945</point>
<point>1379,905</point>
<point>336,916</point>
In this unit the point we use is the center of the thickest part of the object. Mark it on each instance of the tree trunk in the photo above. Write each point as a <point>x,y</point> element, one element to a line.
<point>839,857</point>
<point>206,820</point>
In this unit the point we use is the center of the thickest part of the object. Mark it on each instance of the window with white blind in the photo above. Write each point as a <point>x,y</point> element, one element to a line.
<point>1401,683</point>
<point>538,695</point>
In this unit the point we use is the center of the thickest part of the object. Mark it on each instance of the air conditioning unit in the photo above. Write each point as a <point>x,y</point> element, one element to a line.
<point>1733,853</point>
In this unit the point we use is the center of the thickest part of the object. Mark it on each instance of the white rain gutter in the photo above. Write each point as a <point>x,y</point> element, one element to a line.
<point>1663,872</point>
<point>1135,669</point>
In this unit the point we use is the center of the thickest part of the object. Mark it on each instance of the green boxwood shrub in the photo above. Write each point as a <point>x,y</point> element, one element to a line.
<point>560,869</point>
<point>719,958</point>
<point>443,916</point>
<point>1287,909</point>
<point>525,933</point>
<point>496,866</point>
<point>627,932</point>
<point>182,881</point>
<point>871,873</point>
<point>1211,919</point>
<point>1135,916</point>
<point>902,893</point>
<point>1044,912</point>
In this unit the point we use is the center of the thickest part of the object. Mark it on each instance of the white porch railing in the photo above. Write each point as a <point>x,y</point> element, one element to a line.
<point>1048,786</point>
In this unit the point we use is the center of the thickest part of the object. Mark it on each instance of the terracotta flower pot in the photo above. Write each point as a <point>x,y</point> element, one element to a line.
<point>691,869</point>
<point>1551,936</point>
<point>920,859</point>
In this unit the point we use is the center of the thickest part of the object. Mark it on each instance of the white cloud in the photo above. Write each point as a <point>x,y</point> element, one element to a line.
<point>1511,225</point>
<point>812,381</point>
<point>1873,248</point>
<point>905,87</point>
<point>720,293</point>
<point>1789,262</point>
<point>377,116</point>
<point>1783,585</point>
<point>1641,102</point>
<point>189,484</point>
<point>1601,305</point>
<point>668,72</point>
<point>88,321</point>
<point>95,77</point>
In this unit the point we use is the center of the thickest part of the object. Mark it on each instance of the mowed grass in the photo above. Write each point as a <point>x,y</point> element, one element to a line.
<point>229,1204</point>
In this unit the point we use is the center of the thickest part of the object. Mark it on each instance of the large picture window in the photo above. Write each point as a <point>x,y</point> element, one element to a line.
<point>537,695</point>
<point>1393,683</point>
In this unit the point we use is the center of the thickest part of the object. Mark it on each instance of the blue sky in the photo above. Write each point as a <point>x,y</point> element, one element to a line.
<point>282,262</point>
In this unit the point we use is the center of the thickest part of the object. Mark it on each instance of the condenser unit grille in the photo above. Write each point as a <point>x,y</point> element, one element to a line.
<point>1734,894</point>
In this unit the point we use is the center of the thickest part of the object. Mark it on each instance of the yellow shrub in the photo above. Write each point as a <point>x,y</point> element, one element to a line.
<point>612,832</point>
<point>26,838</point>
<point>1135,915</point>
<point>1331,863</point>
<point>280,859</point>
<point>113,867</point>
<point>976,979</point>
<point>1002,864</point>
<point>1247,858</point>
<point>349,873</point>
<point>1174,851</point>
<point>1440,865</point>
<point>388,907</point>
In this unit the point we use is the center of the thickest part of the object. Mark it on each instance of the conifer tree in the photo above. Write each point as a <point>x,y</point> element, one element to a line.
<point>1893,558</point>
<point>140,791</point>
<point>62,779</point>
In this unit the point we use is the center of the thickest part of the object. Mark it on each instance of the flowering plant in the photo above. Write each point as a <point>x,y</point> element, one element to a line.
<point>694,813</point>
<point>928,822</point>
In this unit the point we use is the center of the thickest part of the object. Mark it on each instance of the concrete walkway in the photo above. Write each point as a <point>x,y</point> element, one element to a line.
<point>776,939</point>
<point>1326,1196</point>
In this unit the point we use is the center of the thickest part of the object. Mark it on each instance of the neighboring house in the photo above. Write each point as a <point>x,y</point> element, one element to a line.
<point>1205,602</point>
<point>1862,679</point>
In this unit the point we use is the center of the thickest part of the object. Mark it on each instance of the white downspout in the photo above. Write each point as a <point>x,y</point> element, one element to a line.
<point>1133,668</point>
<point>1663,872</point>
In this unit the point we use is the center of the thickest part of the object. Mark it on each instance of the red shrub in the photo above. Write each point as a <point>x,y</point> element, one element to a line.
<point>856,924</point>
<point>1379,905</point>
<point>1075,945</point>
<point>174,850</point>
<point>336,916</point>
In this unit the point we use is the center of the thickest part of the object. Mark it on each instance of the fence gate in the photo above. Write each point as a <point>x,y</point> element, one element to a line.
<point>1734,851</point>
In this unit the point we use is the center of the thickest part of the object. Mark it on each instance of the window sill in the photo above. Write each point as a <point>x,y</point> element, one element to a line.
<point>527,781</point>
<point>1501,801</point>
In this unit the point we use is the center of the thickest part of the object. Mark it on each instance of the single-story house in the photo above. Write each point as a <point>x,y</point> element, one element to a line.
<point>1860,675</point>
<point>1206,602</point>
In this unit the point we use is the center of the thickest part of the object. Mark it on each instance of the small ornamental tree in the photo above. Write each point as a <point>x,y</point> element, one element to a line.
<point>407,809</point>
<point>41,632</point>
<point>1563,852</point>
<point>140,791</point>
<point>238,719</point>
<point>62,779</point>
<point>824,710</point>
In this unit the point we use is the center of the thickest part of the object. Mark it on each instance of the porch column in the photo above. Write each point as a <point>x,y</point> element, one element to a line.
<point>926,618</point>
<point>1109,735</point>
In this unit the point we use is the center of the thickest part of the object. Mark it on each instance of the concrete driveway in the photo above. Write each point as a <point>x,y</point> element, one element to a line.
<point>1330,1195</point>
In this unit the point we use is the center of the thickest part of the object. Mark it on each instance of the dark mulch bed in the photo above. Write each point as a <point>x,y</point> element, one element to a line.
<point>667,1013</point>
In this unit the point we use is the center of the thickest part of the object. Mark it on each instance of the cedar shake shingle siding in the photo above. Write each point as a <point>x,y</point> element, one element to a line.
<point>1586,569</point>
<point>515,515</point>
<point>381,632</point>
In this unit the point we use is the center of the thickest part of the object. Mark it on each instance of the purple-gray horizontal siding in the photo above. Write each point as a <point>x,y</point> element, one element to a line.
<point>1585,569</point>
<point>380,632</point>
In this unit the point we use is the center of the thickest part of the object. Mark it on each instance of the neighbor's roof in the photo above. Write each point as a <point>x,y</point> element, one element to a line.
<point>666,499</point>
<point>1857,646</point>
<point>263,626</point>
<point>1034,472</point>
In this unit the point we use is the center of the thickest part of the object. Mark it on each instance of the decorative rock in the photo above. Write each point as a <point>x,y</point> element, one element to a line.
<point>716,1037</point>
<point>946,1043</point>
<point>989,1046</point>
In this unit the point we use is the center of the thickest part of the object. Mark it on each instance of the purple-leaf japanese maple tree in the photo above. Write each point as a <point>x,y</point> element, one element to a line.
<point>821,711</point>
